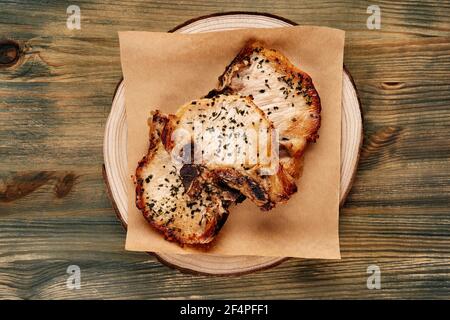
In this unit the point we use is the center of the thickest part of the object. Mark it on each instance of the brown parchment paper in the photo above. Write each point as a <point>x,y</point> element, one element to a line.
<point>165,70</point>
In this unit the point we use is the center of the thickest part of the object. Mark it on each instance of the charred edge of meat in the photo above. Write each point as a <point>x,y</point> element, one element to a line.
<point>235,197</point>
<point>245,52</point>
<point>220,223</point>
<point>258,192</point>
<point>315,101</point>
<point>188,173</point>
<point>214,93</point>
<point>160,123</point>
<point>249,186</point>
<point>290,187</point>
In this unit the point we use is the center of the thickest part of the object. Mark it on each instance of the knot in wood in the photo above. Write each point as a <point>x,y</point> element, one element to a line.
<point>9,53</point>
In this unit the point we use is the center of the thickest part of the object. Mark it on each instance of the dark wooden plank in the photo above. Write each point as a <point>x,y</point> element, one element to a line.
<point>54,209</point>
<point>112,276</point>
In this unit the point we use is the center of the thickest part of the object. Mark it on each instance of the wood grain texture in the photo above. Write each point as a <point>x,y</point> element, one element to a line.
<point>115,149</point>
<point>53,107</point>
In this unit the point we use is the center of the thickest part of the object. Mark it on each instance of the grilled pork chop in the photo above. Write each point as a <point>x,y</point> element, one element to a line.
<point>188,207</point>
<point>285,94</point>
<point>230,137</point>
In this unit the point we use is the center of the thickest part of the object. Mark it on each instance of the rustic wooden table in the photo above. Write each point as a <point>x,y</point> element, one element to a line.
<point>54,208</point>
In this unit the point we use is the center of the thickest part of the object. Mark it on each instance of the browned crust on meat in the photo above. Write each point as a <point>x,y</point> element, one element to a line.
<point>159,122</point>
<point>287,187</point>
<point>264,191</point>
<point>283,65</point>
<point>248,186</point>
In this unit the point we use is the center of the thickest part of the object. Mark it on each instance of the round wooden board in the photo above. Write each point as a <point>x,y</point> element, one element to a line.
<point>115,143</point>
